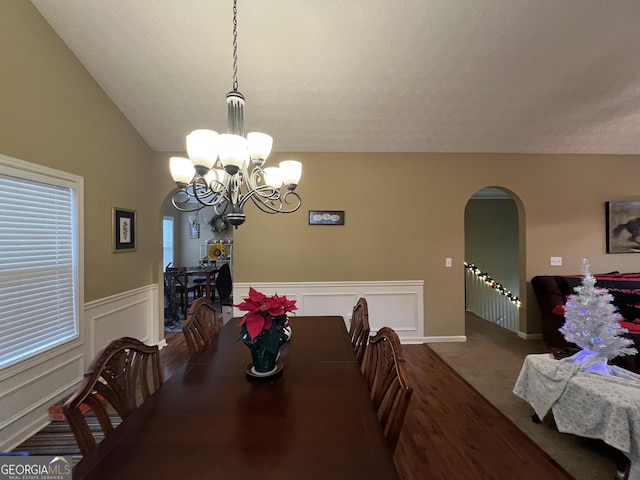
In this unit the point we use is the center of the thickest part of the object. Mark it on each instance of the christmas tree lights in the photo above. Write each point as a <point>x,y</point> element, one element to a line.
<point>591,322</point>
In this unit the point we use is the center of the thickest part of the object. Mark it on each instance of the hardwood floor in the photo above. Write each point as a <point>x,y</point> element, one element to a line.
<point>450,431</point>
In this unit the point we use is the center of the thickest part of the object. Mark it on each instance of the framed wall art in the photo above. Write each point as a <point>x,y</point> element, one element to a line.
<point>194,227</point>
<point>623,227</point>
<point>123,230</point>
<point>326,217</point>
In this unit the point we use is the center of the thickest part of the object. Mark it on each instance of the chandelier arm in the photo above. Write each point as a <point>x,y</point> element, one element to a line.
<point>253,184</point>
<point>274,203</point>
<point>258,193</point>
<point>178,204</point>
<point>202,191</point>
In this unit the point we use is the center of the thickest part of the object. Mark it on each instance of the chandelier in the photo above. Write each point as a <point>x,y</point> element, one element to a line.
<point>225,170</point>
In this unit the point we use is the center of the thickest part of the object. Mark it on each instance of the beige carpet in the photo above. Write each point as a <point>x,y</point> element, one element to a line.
<point>490,360</point>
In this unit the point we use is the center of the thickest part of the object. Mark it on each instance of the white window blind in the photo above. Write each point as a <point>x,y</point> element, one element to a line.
<point>167,241</point>
<point>38,294</point>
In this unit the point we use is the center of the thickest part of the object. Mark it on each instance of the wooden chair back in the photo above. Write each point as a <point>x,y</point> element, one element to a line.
<point>178,282</point>
<point>359,328</point>
<point>384,370</point>
<point>202,323</point>
<point>122,376</point>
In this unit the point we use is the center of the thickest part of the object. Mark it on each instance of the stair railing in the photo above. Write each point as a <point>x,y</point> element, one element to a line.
<point>490,300</point>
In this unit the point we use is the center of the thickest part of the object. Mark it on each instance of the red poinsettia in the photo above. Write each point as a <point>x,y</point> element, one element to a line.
<point>262,310</point>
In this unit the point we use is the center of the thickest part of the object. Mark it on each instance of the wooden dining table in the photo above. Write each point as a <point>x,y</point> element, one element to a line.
<point>313,420</point>
<point>207,273</point>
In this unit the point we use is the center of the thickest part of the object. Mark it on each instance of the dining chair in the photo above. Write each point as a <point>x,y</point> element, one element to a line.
<point>202,323</point>
<point>121,377</point>
<point>179,287</point>
<point>359,329</point>
<point>384,370</point>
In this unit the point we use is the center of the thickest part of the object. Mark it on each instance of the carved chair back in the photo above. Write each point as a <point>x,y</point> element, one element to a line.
<point>384,371</point>
<point>359,329</point>
<point>120,378</point>
<point>202,323</point>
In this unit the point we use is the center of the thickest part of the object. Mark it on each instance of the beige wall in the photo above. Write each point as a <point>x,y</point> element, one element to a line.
<point>54,114</point>
<point>405,215</point>
<point>404,212</point>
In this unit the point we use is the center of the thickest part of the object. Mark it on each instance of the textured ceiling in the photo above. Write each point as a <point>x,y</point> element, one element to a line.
<point>371,75</point>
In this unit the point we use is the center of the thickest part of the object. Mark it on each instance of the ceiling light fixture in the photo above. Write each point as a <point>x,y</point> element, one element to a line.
<point>225,171</point>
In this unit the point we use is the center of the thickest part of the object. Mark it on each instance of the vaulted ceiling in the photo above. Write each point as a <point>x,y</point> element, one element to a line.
<point>536,76</point>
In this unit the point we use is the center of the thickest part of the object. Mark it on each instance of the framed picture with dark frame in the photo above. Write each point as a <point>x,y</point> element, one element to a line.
<point>623,227</point>
<point>326,217</point>
<point>124,230</point>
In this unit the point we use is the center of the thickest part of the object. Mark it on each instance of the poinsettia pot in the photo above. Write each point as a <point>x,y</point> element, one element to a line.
<point>265,346</point>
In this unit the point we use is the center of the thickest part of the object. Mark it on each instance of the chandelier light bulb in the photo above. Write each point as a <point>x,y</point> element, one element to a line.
<point>233,152</point>
<point>182,170</point>
<point>259,145</point>
<point>202,148</point>
<point>273,177</point>
<point>291,173</point>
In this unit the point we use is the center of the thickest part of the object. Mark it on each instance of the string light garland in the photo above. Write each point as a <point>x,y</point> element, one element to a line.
<point>492,283</point>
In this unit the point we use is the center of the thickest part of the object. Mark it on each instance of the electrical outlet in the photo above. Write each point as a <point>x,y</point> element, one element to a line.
<point>556,261</point>
<point>447,262</point>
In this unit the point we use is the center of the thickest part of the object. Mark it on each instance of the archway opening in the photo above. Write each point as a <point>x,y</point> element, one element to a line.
<point>493,257</point>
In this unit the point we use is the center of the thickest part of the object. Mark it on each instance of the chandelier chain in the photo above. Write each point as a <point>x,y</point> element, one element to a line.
<point>235,45</point>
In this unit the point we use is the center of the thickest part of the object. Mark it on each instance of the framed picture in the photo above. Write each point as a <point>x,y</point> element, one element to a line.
<point>124,230</point>
<point>194,230</point>
<point>623,227</point>
<point>326,217</point>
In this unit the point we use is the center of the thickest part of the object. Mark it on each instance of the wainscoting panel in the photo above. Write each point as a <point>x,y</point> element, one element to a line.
<point>26,396</point>
<point>129,314</point>
<point>398,304</point>
<point>394,308</point>
<point>328,304</point>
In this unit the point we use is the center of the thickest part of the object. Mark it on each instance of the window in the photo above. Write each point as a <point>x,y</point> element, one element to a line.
<point>167,241</point>
<point>39,267</point>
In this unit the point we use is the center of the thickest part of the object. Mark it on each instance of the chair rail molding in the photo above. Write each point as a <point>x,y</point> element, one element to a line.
<point>395,304</point>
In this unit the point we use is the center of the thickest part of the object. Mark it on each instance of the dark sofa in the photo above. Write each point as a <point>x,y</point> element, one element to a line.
<point>551,292</point>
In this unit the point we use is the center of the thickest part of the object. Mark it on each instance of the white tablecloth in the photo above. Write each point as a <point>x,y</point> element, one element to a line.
<point>587,404</point>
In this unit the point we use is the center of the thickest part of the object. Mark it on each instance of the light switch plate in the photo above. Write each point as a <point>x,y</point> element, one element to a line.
<point>556,261</point>
<point>447,262</point>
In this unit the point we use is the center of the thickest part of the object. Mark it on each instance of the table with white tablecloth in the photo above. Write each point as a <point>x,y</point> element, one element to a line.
<point>585,403</point>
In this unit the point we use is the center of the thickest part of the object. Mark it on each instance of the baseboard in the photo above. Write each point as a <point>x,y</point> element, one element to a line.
<point>530,336</point>
<point>445,339</point>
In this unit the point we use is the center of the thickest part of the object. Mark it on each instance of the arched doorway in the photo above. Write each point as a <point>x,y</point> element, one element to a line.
<point>493,256</point>
<point>187,241</point>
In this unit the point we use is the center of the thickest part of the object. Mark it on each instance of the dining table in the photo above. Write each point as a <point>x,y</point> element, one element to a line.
<point>214,419</point>
<point>205,272</point>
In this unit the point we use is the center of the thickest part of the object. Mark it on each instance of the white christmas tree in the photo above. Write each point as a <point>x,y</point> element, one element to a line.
<point>591,322</point>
